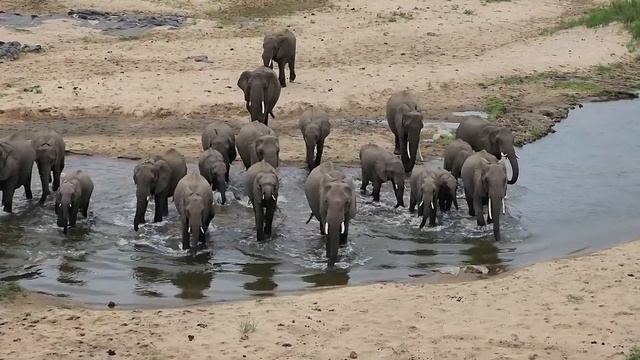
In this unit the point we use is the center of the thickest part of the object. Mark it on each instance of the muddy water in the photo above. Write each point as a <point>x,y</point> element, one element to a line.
<point>576,194</point>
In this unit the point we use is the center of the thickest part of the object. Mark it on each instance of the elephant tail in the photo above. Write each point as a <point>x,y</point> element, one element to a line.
<point>271,113</point>
<point>310,217</point>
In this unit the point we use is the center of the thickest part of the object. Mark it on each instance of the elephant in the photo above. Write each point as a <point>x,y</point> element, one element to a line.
<point>315,127</point>
<point>213,168</point>
<point>262,190</point>
<point>257,142</point>
<point>496,140</point>
<point>424,193</point>
<point>220,136</point>
<point>379,166</point>
<point>447,188</point>
<point>74,195</point>
<point>50,151</point>
<point>16,167</point>
<point>485,182</point>
<point>281,48</point>
<point>332,199</point>
<point>261,92</point>
<point>157,176</point>
<point>194,202</point>
<point>454,156</point>
<point>405,122</point>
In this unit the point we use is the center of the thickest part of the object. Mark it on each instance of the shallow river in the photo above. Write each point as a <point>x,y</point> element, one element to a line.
<point>576,193</point>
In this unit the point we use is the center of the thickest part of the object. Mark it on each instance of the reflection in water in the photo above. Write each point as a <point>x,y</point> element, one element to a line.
<point>263,272</point>
<point>484,252</point>
<point>68,272</point>
<point>328,278</point>
<point>193,283</point>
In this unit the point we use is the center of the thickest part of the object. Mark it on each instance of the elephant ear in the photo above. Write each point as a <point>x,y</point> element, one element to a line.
<point>163,175</point>
<point>399,119</point>
<point>243,83</point>
<point>352,202</point>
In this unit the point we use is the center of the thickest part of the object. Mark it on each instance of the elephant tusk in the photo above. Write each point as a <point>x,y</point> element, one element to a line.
<point>273,197</point>
<point>395,186</point>
<point>189,231</point>
<point>202,229</point>
<point>148,198</point>
<point>263,197</point>
<point>270,62</point>
<point>262,103</point>
<point>504,209</point>
<point>432,207</point>
<point>490,217</point>
<point>408,154</point>
<point>326,228</point>
<point>342,228</point>
<point>315,151</point>
<point>421,203</point>
<point>503,154</point>
<point>420,154</point>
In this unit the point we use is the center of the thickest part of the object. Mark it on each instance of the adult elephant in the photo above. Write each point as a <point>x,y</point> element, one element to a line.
<point>261,92</point>
<point>50,151</point>
<point>257,142</point>
<point>332,199</point>
<point>280,48</point>
<point>424,193</point>
<point>219,136</point>
<point>496,140</point>
<point>194,201</point>
<point>315,127</point>
<point>213,168</point>
<point>74,195</point>
<point>262,190</point>
<point>485,183</point>
<point>405,122</point>
<point>16,166</point>
<point>455,155</point>
<point>379,166</point>
<point>157,177</point>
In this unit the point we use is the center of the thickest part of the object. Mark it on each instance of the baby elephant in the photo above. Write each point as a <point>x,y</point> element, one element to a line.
<point>262,190</point>
<point>50,150</point>
<point>454,156</point>
<point>332,199</point>
<point>214,169</point>
<point>74,195</point>
<point>219,136</point>
<point>485,182</point>
<point>194,201</point>
<point>315,127</point>
<point>424,193</point>
<point>379,166</point>
<point>447,189</point>
<point>257,142</point>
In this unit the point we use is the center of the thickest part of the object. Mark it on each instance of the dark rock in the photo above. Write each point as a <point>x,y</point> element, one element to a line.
<point>286,345</point>
<point>111,352</point>
<point>111,305</point>
<point>199,58</point>
<point>191,337</point>
<point>353,355</point>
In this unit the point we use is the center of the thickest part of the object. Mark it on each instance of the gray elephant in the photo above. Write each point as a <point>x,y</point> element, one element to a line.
<point>447,188</point>
<point>424,193</point>
<point>280,48</point>
<point>213,168</point>
<point>16,166</point>
<point>194,201</point>
<point>496,140</point>
<point>379,166</point>
<point>262,190</point>
<point>332,199</point>
<point>50,151</point>
<point>157,177</point>
<point>220,136</point>
<point>315,127</point>
<point>74,195</point>
<point>485,183</point>
<point>257,142</point>
<point>261,92</point>
<point>405,122</point>
<point>454,156</point>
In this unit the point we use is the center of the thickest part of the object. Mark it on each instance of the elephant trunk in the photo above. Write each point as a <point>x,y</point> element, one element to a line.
<point>141,208</point>
<point>271,158</point>
<point>515,170</point>
<point>412,151</point>
<point>267,57</point>
<point>398,188</point>
<point>63,216</point>
<point>311,153</point>
<point>495,210</point>
<point>428,206</point>
<point>334,227</point>
<point>195,233</point>
<point>44,169</point>
<point>221,185</point>
<point>257,104</point>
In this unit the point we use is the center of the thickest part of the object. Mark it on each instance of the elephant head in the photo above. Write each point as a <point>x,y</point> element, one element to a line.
<point>266,188</point>
<point>66,203</point>
<point>151,177</point>
<point>428,201</point>
<point>5,152</point>
<point>393,170</point>
<point>337,207</point>
<point>267,148</point>
<point>269,51</point>
<point>494,185</point>
<point>218,177</point>
<point>258,86</point>
<point>194,213</point>
<point>502,143</point>
<point>223,145</point>
<point>409,134</point>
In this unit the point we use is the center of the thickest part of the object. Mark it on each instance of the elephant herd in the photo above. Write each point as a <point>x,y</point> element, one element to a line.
<point>474,156</point>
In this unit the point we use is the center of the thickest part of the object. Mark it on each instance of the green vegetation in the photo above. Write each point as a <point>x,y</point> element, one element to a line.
<point>495,108</point>
<point>445,140</point>
<point>576,299</point>
<point>9,290</point>
<point>247,326</point>
<point>634,354</point>
<point>578,86</point>
<point>249,9</point>
<point>626,12</point>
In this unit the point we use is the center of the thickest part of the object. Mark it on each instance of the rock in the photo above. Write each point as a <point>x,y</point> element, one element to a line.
<point>286,345</point>
<point>353,355</point>
<point>431,34</point>
<point>199,58</point>
<point>476,269</point>
<point>111,352</point>
<point>451,270</point>
<point>111,305</point>
<point>191,337</point>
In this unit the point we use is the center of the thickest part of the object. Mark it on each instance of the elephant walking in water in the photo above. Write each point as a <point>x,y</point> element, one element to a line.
<point>262,189</point>
<point>455,155</point>
<point>74,195</point>
<point>213,168</point>
<point>257,142</point>
<point>379,166</point>
<point>194,201</point>
<point>405,122</point>
<point>280,48</point>
<point>219,136</point>
<point>16,167</point>
<point>332,199</point>
<point>315,127</point>
<point>50,151</point>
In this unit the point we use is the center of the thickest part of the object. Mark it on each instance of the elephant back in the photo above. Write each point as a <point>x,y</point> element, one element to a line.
<point>246,138</point>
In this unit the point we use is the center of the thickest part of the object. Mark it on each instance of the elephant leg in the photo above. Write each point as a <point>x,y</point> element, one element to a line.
<point>73,215</point>
<point>7,196</point>
<point>376,190</point>
<point>226,176</point>
<point>57,171</point>
<point>268,221</point>
<point>159,200</point>
<point>186,244</point>
<point>412,203</point>
<point>281,77</point>
<point>165,206</point>
<point>27,185</point>
<point>320,149</point>
<point>44,181</point>
<point>343,237</point>
<point>292,68</point>
<point>455,203</point>
<point>396,150</point>
<point>477,207</point>
<point>433,213</point>
<point>322,229</point>
<point>365,183</point>
<point>85,210</point>
<point>258,212</point>
<point>469,199</point>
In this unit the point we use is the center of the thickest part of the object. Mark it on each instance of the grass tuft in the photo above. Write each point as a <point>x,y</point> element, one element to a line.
<point>578,86</point>
<point>626,12</point>
<point>634,354</point>
<point>10,290</point>
<point>250,9</point>
<point>247,326</point>
<point>495,108</point>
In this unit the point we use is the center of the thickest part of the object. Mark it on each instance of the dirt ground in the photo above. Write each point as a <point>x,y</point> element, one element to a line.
<point>138,95</point>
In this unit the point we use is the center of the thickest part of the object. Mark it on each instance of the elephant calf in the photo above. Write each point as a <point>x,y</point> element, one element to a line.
<point>485,182</point>
<point>332,199</point>
<point>280,48</point>
<point>424,193</point>
<point>219,136</point>
<point>16,166</point>
<point>262,190</point>
<point>447,189</point>
<point>257,142</point>
<point>74,195</point>
<point>261,92</point>
<point>157,177</point>
<point>379,166</point>
<point>315,127</point>
<point>50,151</point>
<point>496,140</point>
<point>455,155</point>
<point>194,201</point>
<point>213,168</point>
<point>405,122</point>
